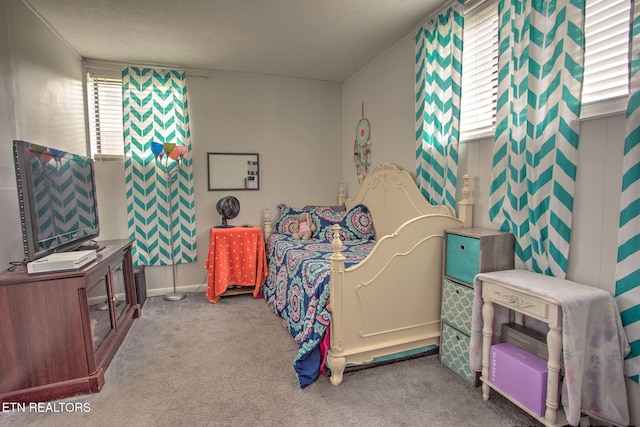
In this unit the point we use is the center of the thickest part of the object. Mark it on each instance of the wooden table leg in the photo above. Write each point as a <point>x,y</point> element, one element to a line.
<point>554,343</point>
<point>487,335</point>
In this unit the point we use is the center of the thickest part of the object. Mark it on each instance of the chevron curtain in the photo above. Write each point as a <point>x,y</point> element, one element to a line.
<point>535,153</point>
<point>628,268</point>
<point>155,109</point>
<point>438,89</point>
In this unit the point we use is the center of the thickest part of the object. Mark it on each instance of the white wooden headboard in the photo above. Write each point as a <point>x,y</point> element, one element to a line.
<point>393,198</point>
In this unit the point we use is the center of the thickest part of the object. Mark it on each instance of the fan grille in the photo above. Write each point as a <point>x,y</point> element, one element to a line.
<point>228,207</point>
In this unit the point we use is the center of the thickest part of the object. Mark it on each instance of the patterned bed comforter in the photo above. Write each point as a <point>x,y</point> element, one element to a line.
<point>297,289</point>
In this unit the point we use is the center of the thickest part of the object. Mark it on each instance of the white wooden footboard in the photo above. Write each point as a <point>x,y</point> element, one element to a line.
<point>389,302</point>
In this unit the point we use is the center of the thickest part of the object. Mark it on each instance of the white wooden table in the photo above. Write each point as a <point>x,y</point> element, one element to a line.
<point>539,307</point>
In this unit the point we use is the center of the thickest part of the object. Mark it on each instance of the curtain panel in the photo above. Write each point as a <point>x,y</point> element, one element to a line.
<point>437,100</point>
<point>628,266</point>
<point>155,109</point>
<point>540,66</point>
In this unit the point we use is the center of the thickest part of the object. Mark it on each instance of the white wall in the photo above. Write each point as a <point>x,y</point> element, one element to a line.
<point>390,100</point>
<point>592,258</point>
<point>10,248</point>
<point>293,124</point>
<point>303,130</point>
<point>386,87</point>
<point>40,101</point>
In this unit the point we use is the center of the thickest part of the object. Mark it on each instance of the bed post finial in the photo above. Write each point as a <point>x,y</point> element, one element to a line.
<point>266,220</point>
<point>342,196</point>
<point>465,206</point>
<point>336,243</point>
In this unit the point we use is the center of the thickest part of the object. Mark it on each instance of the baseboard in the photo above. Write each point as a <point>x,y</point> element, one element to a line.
<point>102,299</point>
<point>156,292</point>
<point>187,289</point>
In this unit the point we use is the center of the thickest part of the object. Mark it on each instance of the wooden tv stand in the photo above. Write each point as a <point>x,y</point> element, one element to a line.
<point>60,330</point>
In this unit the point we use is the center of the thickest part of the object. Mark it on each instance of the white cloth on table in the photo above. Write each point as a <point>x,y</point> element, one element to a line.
<point>594,342</point>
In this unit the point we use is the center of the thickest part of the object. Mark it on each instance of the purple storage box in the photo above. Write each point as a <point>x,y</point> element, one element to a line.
<point>520,374</point>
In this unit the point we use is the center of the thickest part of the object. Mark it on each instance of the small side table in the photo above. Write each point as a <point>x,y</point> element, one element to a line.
<point>236,257</point>
<point>585,331</point>
<point>539,307</point>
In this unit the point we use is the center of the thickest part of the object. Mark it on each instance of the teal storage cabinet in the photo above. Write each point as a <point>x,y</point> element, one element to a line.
<point>454,353</point>
<point>467,252</point>
<point>463,257</point>
<point>457,301</point>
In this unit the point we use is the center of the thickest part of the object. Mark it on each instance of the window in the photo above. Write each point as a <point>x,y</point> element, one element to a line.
<point>606,57</point>
<point>104,97</point>
<point>605,85</point>
<point>479,73</point>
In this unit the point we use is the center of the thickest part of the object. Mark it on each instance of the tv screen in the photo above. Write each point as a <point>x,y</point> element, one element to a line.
<point>57,197</point>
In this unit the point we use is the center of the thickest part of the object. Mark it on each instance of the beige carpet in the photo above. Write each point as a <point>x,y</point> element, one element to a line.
<point>193,363</point>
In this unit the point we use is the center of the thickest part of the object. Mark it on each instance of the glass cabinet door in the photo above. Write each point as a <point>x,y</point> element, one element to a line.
<point>119,293</point>
<point>99,312</point>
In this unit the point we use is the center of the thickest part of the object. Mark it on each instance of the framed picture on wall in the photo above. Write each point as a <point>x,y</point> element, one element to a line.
<point>233,171</point>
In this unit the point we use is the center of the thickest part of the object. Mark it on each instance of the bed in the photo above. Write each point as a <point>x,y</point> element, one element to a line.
<point>367,285</point>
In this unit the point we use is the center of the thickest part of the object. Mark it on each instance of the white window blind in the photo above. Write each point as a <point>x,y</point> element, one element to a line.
<point>605,86</point>
<point>479,73</point>
<point>606,50</point>
<point>104,95</point>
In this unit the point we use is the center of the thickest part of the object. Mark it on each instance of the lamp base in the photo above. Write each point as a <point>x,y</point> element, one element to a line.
<point>103,307</point>
<point>175,296</point>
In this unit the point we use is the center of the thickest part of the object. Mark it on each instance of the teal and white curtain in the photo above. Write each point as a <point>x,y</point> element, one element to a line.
<point>438,90</point>
<point>155,109</point>
<point>628,268</point>
<point>537,126</point>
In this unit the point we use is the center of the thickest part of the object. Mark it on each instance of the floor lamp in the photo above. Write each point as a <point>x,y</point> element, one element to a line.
<point>164,153</point>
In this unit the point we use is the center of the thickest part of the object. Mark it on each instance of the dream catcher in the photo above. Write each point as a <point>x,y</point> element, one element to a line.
<point>362,147</point>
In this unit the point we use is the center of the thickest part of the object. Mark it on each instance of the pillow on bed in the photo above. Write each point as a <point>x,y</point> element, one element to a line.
<point>355,224</point>
<point>337,208</point>
<point>287,219</point>
<point>289,216</point>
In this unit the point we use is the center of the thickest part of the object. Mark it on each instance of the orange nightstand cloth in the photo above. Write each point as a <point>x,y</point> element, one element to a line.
<point>236,257</point>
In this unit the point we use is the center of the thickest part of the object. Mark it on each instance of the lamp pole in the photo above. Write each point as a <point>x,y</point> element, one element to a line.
<point>175,152</point>
<point>175,295</point>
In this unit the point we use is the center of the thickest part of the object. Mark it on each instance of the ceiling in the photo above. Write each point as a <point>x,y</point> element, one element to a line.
<point>315,39</point>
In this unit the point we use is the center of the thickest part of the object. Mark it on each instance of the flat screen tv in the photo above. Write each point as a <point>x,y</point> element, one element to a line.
<point>57,197</point>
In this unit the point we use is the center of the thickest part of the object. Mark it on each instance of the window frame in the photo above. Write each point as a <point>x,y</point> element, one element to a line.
<point>472,10</point>
<point>107,74</point>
